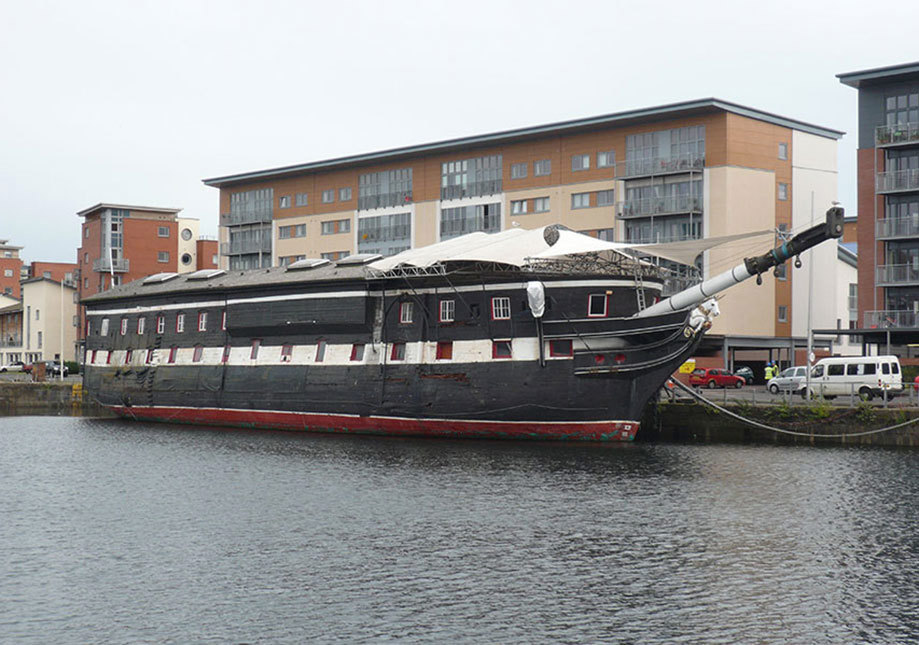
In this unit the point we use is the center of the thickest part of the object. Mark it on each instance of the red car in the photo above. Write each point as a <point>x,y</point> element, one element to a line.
<point>712,378</point>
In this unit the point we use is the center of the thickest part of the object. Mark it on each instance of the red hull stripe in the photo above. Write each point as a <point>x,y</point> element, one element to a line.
<point>264,419</point>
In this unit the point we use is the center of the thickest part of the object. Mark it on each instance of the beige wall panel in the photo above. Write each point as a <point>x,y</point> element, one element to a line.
<point>426,225</point>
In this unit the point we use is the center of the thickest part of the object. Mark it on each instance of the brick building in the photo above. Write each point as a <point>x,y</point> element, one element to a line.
<point>58,271</point>
<point>676,172</point>
<point>10,269</point>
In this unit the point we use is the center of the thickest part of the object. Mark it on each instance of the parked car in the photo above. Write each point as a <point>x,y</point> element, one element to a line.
<point>53,368</point>
<point>791,379</point>
<point>745,373</point>
<point>15,366</point>
<point>712,378</point>
<point>867,376</point>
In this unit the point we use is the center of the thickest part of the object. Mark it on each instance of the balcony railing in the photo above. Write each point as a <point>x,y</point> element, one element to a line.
<point>895,227</point>
<point>663,239</point>
<point>897,274</point>
<point>116,265</point>
<point>240,247</point>
<point>894,135</point>
<point>15,344</point>
<point>659,206</point>
<point>894,181</point>
<point>660,165</point>
<point>891,318</point>
<point>245,217</point>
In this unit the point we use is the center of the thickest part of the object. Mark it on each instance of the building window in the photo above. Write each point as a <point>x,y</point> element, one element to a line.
<point>560,348</point>
<point>500,308</point>
<point>783,192</point>
<point>38,315</point>
<point>86,232</point>
<point>384,234</point>
<point>501,349</point>
<point>596,305</point>
<point>471,177</point>
<point>605,197</point>
<point>284,201</point>
<point>160,324</point>
<point>344,194</point>
<point>253,351</point>
<point>334,255</point>
<point>783,151</point>
<point>468,219</point>
<point>580,162</point>
<point>162,256</point>
<point>162,231</point>
<point>331,227</point>
<point>286,353</point>
<point>606,159</point>
<point>398,352</point>
<point>320,350</point>
<point>198,354</point>
<point>447,311</point>
<point>103,329</point>
<point>172,353</point>
<point>902,109</point>
<point>226,354</point>
<point>519,170</point>
<point>86,258</point>
<point>202,321</point>
<point>542,168</point>
<point>541,205</point>
<point>781,271</point>
<point>383,189</point>
<point>357,352</point>
<point>86,283</point>
<point>444,350</point>
<point>328,196</point>
<point>295,230</point>
<point>405,312</point>
<point>180,323</point>
<point>580,200</point>
<point>783,313</point>
<point>8,273</point>
<point>39,340</point>
<point>302,199</point>
<point>519,207</point>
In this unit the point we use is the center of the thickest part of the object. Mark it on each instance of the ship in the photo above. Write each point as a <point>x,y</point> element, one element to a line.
<point>543,333</point>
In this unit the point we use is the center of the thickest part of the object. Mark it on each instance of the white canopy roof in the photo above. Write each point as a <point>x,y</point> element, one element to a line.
<point>516,246</point>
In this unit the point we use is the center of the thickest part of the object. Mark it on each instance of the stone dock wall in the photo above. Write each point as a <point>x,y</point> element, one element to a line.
<point>47,399</point>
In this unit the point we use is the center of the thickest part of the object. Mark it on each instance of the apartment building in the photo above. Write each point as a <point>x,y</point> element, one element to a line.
<point>49,320</point>
<point>57,271</point>
<point>888,196</point>
<point>676,172</point>
<point>10,269</point>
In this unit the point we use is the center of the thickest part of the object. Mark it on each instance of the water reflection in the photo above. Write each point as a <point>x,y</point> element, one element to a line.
<point>151,532</point>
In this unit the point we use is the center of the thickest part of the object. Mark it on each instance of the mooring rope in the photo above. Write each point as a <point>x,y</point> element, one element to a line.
<point>764,426</point>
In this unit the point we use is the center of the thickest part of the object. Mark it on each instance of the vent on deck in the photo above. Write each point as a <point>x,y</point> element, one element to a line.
<point>158,278</point>
<point>308,263</point>
<point>359,258</point>
<point>205,274</point>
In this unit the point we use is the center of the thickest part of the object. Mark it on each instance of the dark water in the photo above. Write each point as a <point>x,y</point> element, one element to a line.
<point>113,532</point>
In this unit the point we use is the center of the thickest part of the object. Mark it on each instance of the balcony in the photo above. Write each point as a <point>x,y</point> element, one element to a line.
<point>894,275</point>
<point>242,247</point>
<point>116,265</point>
<point>897,181</point>
<point>890,319</point>
<point>901,134</point>
<point>245,217</point>
<point>894,228</point>
<point>15,343</point>
<point>660,166</point>
<point>649,206</point>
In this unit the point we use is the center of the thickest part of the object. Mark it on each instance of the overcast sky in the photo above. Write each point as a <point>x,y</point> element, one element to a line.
<point>137,102</point>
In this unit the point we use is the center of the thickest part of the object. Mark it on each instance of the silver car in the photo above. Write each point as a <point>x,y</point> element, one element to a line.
<point>792,380</point>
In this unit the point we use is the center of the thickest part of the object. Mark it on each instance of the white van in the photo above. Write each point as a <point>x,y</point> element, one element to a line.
<point>866,376</point>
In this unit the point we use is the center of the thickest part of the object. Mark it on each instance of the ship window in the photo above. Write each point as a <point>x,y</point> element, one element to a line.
<point>223,320</point>
<point>108,358</point>
<point>444,350</point>
<point>141,324</point>
<point>226,354</point>
<point>160,324</point>
<point>180,323</point>
<point>149,359</point>
<point>198,354</point>
<point>256,343</point>
<point>103,330</point>
<point>501,349</point>
<point>172,353</point>
<point>320,351</point>
<point>124,326</point>
<point>357,352</point>
<point>405,312</point>
<point>596,306</point>
<point>398,352</point>
<point>560,348</point>
<point>202,321</point>
<point>286,352</point>
<point>93,359</point>
<point>128,355</point>
<point>500,308</point>
<point>447,310</point>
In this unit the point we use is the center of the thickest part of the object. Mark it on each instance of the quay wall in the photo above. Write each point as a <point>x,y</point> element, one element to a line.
<point>47,399</point>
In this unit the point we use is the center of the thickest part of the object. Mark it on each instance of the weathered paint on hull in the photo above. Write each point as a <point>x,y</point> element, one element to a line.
<point>380,425</point>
